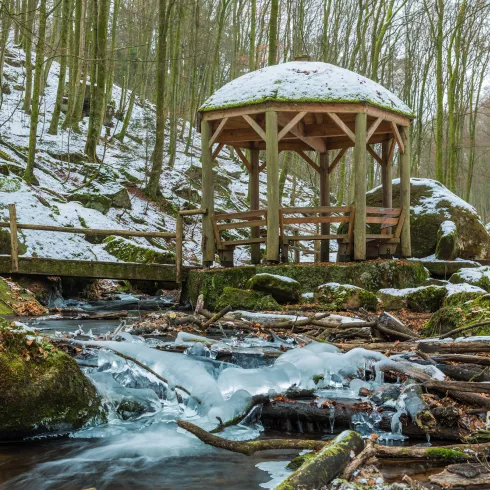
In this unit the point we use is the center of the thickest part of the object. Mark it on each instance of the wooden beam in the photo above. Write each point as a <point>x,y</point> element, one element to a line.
<point>374,154</point>
<point>308,160</point>
<point>324,201</point>
<point>218,131</point>
<point>273,198</point>
<point>254,202</point>
<point>14,240</point>
<point>386,180</point>
<point>217,151</point>
<point>405,242</point>
<point>337,159</point>
<point>398,138</point>
<point>360,188</point>
<point>295,120</point>
<point>243,158</point>
<point>207,198</point>
<point>253,123</point>
<point>389,160</point>
<point>373,128</point>
<point>298,130</point>
<point>336,119</point>
<point>179,240</point>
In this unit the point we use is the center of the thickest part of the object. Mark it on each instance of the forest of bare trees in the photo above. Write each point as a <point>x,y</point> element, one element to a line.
<point>434,54</point>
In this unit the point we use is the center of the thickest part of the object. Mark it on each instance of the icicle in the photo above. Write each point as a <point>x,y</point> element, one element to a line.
<point>331,414</point>
<point>428,438</point>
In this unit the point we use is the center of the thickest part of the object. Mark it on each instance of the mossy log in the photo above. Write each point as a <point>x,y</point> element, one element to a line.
<point>454,347</point>
<point>326,465</point>
<point>450,454</point>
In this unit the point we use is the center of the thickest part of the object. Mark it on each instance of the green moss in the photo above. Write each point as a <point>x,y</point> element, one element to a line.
<point>370,275</point>
<point>338,297</point>
<point>480,436</point>
<point>459,299</point>
<point>298,461</point>
<point>447,242</point>
<point>247,300</point>
<point>9,184</point>
<point>41,388</point>
<point>129,251</point>
<point>479,277</point>
<point>282,290</point>
<point>445,454</point>
<point>427,299</point>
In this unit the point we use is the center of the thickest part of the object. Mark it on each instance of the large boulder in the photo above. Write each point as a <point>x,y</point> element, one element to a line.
<point>338,297</point>
<point>102,198</point>
<point>478,276</point>
<point>245,299</point>
<point>129,251</point>
<point>444,269</point>
<point>421,299</point>
<point>283,289</point>
<point>431,205</point>
<point>42,389</point>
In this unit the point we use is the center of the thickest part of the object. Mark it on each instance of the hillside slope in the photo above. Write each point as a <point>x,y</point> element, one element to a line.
<point>69,195</point>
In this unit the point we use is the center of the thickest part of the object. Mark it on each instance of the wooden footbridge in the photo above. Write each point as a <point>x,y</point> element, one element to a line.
<point>170,273</point>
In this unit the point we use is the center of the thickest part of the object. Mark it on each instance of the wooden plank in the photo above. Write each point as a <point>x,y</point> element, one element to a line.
<point>243,224</point>
<point>390,211</point>
<point>350,232</point>
<point>374,154</point>
<point>256,213</point>
<point>336,119</point>
<point>317,209</point>
<point>273,197</point>
<point>295,120</point>
<point>297,238</point>
<point>243,158</point>
<point>190,212</point>
<point>401,221</point>
<point>249,241</point>
<point>398,137</point>
<point>91,231</point>
<point>179,231</point>
<point>389,160</point>
<point>315,143</point>
<point>381,220</point>
<point>218,131</point>
<point>217,151</point>
<point>255,254</point>
<point>360,188</point>
<point>373,128</point>
<point>324,201</point>
<point>93,269</point>
<point>337,159</point>
<point>317,219</point>
<point>217,236</point>
<point>308,160</point>
<point>14,239</point>
<point>255,126</point>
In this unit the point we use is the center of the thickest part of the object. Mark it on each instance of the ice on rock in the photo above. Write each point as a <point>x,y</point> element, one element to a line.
<point>233,407</point>
<point>183,338</point>
<point>278,377</point>
<point>108,361</point>
<point>198,350</point>
<point>356,384</point>
<point>127,337</point>
<point>318,347</point>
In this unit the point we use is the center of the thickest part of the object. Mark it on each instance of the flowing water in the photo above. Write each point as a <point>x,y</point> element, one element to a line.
<point>143,447</point>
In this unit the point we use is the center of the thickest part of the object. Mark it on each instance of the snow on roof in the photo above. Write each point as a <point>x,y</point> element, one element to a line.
<point>304,81</point>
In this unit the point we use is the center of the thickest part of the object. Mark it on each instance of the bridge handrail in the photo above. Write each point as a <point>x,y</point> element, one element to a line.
<point>178,235</point>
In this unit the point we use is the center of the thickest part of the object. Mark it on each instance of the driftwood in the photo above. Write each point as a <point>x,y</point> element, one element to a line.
<point>454,347</point>
<point>393,328</point>
<point>452,453</point>
<point>216,317</point>
<point>458,386</point>
<point>462,358</point>
<point>325,466</point>
<point>248,447</point>
<point>367,453</point>
<point>465,373</point>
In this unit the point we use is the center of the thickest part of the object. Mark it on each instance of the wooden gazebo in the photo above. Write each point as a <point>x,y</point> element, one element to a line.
<point>305,107</point>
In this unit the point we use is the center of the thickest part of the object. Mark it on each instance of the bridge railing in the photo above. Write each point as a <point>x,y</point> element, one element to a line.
<point>178,235</point>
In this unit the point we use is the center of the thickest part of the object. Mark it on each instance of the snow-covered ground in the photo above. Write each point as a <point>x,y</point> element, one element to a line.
<point>47,203</point>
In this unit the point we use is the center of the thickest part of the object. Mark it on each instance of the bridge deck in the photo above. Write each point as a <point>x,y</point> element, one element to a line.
<point>95,270</point>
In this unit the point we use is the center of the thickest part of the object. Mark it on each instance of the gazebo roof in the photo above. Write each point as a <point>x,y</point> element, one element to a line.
<point>304,81</point>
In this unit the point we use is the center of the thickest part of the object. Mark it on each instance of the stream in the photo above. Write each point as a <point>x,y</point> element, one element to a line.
<point>143,447</point>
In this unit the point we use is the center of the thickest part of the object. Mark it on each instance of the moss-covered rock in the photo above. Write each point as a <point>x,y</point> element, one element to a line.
<point>478,276</point>
<point>10,184</point>
<point>339,297</point>
<point>426,298</point>
<point>244,299</point>
<point>393,299</point>
<point>102,199</point>
<point>444,269</point>
<point>370,275</point>
<point>41,388</point>
<point>17,300</point>
<point>459,294</point>
<point>5,244</point>
<point>451,317</point>
<point>447,241</point>
<point>282,288</point>
<point>129,251</point>
<point>431,205</point>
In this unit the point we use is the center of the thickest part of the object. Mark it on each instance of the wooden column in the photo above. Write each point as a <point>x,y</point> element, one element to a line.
<point>255,201</point>
<point>360,187</point>
<point>386,175</point>
<point>273,201</point>
<point>14,240</point>
<point>207,201</point>
<point>405,242</point>
<point>324,201</point>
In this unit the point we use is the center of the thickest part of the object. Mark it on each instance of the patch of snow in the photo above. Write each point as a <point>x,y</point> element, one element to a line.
<point>280,278</point>
<point>448,228</point>
<point>474,274</point>
<point>462,288</point>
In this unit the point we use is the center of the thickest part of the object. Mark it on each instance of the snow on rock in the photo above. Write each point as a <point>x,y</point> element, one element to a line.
<point>478,276</point>
<point>303,81</point>
<point>431,205</point>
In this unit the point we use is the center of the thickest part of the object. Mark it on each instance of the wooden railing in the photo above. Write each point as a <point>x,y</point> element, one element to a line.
<point>178,235</point>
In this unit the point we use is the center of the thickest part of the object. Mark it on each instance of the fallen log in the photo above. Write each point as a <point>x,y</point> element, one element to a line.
<point>453,453</point>
<point>249,447</point>
<point>467,476</point>
<point>464,329</point>
<point>325,466</point>
<point>392,327</point>
<point>218,315</point>
<point>458,386</point>
<point>454,347</point>
<point>465,373</point>
<point>367,453</point>
<point>462,358</point>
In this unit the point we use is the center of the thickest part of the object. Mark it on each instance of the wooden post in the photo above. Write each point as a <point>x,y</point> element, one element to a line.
<point>324,201</point>
<point>360,187</point>
<point>207,201</point>
<point>179,231</point>
<point>254,202</point>
<point>14,241</point>
<point>405,242</point>
<point>273,200</point>
<point>386,175</point>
